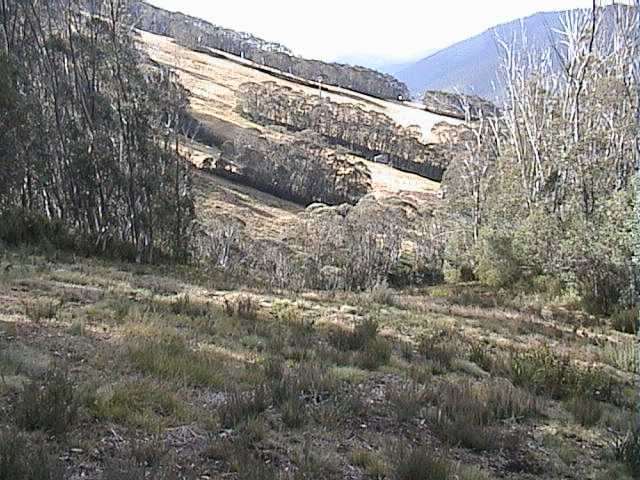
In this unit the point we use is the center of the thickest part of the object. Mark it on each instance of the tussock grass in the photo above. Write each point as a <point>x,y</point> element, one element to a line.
<point>50,405</point>
<point>21,460</point>
<point>620,354</point>
<point>441,347</point>
<point>406,399</point>
<point>40,310</point>
<point>364,346</point>
<point>373,464</point>
<point>187,306</point>
<point>244,307</point>
<point>587,412</point>
<point>242,406</point>
<point>137,404</point>
<point>543,372</point>
<point>467,413</point>
<point>415,463</point>
<point>23,360</point>
<point>171,358</point>
<point>626,321</point>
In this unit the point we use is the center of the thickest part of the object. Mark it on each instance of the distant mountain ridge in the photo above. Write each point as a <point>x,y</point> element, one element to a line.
<point>471,66</point>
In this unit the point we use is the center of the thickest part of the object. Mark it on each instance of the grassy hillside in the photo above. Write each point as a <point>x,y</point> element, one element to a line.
<point>213,79</point>
<point>111,370</point>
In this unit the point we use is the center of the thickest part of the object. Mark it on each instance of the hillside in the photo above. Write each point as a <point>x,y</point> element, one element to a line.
<point>177,375</point>
<point>471,66</point>
<point>198,33</point>
<point>214,78</point>
<point>215,267</point>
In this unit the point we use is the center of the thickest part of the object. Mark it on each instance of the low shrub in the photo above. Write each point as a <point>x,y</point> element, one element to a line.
<point>627,450</point>
<point>50,405</point>
<point>185,305</point>
<point>242,406</point>
<point>418,464</point>
<point>42,310</point>
<point>244,307</point>
<point>626,320</point>
<point>20,460</point>
<point>367,348</point>
<point>406,400</point>
<point>587,412</point>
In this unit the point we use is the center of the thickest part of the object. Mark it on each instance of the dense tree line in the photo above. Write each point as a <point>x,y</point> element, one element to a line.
<point>363,131</point>
<point>304,170</point>
<point>87,134</point>
<point>196,33</point>
<point>543,195</point>
<point>458,105</point>
<point>361,247</point>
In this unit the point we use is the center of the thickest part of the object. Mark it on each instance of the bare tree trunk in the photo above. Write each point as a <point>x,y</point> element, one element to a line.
<point>636,264</point>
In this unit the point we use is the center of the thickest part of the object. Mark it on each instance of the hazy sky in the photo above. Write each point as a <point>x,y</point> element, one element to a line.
<point>328,29</point>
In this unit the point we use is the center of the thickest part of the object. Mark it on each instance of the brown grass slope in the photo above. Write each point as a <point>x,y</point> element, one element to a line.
<point>168,374</point>
<point>212,80</point>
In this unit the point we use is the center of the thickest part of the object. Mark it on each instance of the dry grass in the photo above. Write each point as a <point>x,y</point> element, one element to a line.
<point>254,392</point>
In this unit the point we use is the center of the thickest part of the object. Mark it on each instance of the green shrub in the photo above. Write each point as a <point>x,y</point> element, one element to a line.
<point>22,226</point>
<point>50,405</point>
<point>20,460</point>
<point>496,262</point>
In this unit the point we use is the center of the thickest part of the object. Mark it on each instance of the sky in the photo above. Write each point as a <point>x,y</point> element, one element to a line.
<point>391,29</point>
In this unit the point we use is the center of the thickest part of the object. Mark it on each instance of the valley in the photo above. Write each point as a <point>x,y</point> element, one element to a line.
<point>222,260</point>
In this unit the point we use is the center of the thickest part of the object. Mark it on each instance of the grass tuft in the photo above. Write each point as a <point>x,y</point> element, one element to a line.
<point>50,405</point>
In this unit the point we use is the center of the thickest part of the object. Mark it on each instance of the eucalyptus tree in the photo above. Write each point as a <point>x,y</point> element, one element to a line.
<point>92,128</point>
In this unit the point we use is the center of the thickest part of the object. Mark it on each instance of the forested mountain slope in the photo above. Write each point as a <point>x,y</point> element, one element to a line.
<point>198,33</point>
